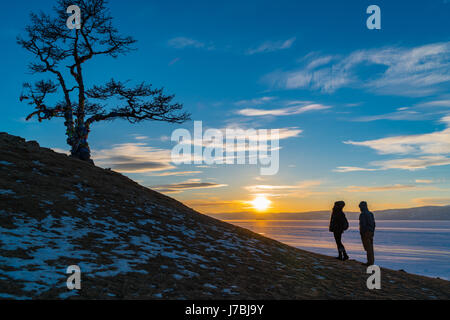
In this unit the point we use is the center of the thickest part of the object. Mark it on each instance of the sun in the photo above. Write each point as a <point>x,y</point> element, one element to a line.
<point>261,203</point>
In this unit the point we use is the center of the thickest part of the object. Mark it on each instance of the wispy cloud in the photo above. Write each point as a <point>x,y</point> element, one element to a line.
<point>138,137</point>
<point>271,46</point>
<point>216,205</point>
<point>250,145</point>
<point>429,150</point>
<point>175,173</point>
<point>435,103</point>
<point>429,143</point>
<point>353,169</point>
<point>411,164</point>
<point>173,61</point>
<point>400,114</point>
<point>378,188</point>
<point>249,112</point>
<point>139,157</point>
<point>243,137</point>
<point>133,158</point>
<point>254,101</point>
<point>185,42</point>
<point>417,71</point>
<point>300,189</point>
<point>426,181</point>
<point>417,112</point>
<point>187,185</point>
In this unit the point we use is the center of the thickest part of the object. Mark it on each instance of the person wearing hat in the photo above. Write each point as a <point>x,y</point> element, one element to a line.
<point>338,224</point>
<point>367,230</point>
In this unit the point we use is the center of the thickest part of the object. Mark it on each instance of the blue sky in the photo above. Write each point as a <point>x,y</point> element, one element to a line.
<point>365,112</point>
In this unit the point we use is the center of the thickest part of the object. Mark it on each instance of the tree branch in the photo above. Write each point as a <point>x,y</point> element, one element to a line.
<point>142,103</point>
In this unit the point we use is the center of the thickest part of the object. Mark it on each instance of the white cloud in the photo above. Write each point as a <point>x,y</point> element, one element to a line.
<point>317,62</point>
<point>413,164</point>
<point>133,158</point>
<point>232,143</point>
<point>446,120</point>
<point>430,149</point>
<point>141,137</point>
<point>301,189</point>
<point>173,61</point>
<point>420,111</point>
<point>435,103</point>
<point>175,173</point>
<point>415,71</point>
<point>184,42</point>
<point>252,135</point>
<point>429,143</point>
<point>426,181</point>
<point>270,46</point>
<point>250,142</point>
<point>282,111</point>
<point>352,169</point>
<point>187,185</point>
<point>400,114</point>
<point>255,101</point>
<point>378,188</point>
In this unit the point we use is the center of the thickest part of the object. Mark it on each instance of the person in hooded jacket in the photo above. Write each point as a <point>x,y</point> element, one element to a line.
<point>367,230</point>
<point>338,224</point>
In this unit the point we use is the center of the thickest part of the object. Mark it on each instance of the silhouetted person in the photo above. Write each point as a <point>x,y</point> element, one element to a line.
<point>338,224</point>
<point>367,230</point>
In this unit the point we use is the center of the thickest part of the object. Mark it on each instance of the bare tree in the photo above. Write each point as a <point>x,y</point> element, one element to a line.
<point>62,53</point>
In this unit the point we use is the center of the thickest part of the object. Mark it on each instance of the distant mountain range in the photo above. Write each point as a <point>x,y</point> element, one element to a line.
<point>419,213</point>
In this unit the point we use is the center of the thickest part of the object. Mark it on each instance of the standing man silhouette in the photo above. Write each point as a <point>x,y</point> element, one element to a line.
<point>367,230</point>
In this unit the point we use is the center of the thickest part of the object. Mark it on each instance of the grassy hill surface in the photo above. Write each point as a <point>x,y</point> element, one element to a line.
<point>134,243</point>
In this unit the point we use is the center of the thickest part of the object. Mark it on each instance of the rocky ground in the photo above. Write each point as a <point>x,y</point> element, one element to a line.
<point>133,243</point>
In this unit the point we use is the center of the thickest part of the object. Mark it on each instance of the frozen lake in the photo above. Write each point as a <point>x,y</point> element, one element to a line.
<point>420,247</point>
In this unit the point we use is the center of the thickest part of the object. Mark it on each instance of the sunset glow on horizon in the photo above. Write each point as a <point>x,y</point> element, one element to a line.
<point>261,203</point>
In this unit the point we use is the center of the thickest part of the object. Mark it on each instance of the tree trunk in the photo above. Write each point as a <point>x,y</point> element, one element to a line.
<point>80,146</point>
<point>82,152</point>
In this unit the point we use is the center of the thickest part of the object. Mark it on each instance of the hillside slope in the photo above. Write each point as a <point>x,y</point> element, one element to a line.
<point>131,242</point>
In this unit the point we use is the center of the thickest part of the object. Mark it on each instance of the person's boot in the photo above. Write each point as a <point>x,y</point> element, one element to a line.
<point>345,256</point>
<point>340,255</point>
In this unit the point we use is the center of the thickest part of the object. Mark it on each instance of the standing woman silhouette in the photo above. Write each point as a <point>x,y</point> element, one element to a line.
<point>338,224</point>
